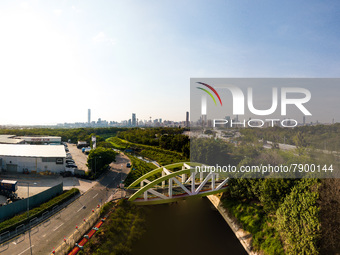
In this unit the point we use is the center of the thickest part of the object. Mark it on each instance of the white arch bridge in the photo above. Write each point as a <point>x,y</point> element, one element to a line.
<point>175,182</point>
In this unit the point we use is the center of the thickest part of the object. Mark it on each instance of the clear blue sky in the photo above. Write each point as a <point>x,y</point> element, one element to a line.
<point>59,58</point>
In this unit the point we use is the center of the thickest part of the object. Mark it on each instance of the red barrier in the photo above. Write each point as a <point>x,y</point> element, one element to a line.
<point>84,240</point>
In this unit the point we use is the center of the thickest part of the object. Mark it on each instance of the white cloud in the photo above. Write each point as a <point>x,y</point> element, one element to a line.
<point>24,5</point>
<point>76,9</point>
<point>57,12</point>
<point>101,37</point>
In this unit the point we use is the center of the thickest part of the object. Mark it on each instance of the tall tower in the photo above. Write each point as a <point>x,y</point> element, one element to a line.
<point>187,120</point>
<point>133,119</point>
<point>89,116</point>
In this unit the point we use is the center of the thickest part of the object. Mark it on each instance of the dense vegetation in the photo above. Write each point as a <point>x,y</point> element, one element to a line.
<point>21,218</point>
<point>121,229</point>
<point>325,137</point>
<point>277,209</point>
<point>162,156</point>
<point>138,169</point>
<point>166,138</point>
<point>283,215</point>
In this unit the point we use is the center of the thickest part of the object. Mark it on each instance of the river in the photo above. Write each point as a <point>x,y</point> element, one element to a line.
<point>190,227</point>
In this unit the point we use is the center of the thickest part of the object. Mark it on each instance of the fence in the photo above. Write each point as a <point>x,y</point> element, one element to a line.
<point>12,209</point>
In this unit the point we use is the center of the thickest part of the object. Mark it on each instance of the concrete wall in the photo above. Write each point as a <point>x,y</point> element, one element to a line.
<point>32,164</point>
<point>12,209</point>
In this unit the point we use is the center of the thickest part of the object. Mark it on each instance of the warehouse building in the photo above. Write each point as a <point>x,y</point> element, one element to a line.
<point>32,158</point>
<point>55,140</point>
<point>10,139</point>
<point>13,139</point>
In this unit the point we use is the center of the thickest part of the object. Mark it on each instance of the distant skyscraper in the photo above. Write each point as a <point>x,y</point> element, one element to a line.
<point>133,119</point>
<point>304,120</point>
<point>89,116</point>
<point>187,120</point>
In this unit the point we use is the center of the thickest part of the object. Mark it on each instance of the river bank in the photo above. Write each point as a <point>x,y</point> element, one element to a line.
<point>243,236</point>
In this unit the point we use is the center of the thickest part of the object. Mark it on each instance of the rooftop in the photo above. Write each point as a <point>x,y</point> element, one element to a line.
<point>9,139</point>
<point>37,151</point>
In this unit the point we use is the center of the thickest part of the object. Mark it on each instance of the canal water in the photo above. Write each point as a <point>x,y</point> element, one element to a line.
<point>190,227</point>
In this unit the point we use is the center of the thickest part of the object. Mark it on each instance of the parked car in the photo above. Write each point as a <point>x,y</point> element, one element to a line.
<point>71,165</point>
<point>70,161</point>
<point>128,165</point>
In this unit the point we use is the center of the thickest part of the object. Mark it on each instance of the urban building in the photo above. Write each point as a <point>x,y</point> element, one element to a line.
<point>89,116</point>
<point>134,120</point>
<point>187,120</point>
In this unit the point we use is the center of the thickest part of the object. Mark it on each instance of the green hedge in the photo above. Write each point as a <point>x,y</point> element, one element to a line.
<point>17,220</point>
<point>138,169</point>
<point>162,156</point>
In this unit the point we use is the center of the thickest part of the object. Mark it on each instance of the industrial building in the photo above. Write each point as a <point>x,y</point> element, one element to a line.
<point>13,139</point>
<point>32,158</point>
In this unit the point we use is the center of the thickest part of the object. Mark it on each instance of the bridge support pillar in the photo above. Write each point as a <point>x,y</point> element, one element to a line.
<point>170,188</point>
<point>183,178</point>
<point>163,182</point>
<point>213,181</point>
<point>145,195</point>
<point>193,182</point>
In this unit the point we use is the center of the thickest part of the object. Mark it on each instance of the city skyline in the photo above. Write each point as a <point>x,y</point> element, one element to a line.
<point>60,58</point>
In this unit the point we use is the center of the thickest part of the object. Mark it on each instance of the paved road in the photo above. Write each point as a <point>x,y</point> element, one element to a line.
<point>51,233</point>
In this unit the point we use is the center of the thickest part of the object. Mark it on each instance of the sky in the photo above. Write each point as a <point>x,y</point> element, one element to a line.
<point>60,58</point>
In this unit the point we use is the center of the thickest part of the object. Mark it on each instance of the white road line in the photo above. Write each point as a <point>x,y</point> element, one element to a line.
<point>80,209</point>
<point>95,195</point>
<point>58,227</point>
<point>25,250</point>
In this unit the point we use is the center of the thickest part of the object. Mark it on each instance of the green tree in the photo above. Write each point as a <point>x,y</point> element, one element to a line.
<point>298,219</point>
<point>99,159</point>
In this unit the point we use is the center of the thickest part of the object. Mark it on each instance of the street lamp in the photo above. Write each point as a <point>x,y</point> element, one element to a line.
<point>28,212</point>
<point>95,164</point>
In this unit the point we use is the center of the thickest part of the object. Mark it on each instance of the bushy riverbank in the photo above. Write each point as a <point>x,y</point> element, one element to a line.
<point>123,227</point>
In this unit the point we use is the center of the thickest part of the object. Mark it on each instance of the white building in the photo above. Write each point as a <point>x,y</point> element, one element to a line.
<point>40,139</point>
<point>32,158</point>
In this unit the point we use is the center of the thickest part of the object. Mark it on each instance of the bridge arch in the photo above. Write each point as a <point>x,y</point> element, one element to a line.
<point>181,184</point>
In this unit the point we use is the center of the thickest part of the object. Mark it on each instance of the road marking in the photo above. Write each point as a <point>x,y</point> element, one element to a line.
<point>80,209</point>
<point>95,195</point>
<point>26,250</point>
<point>58,227</point>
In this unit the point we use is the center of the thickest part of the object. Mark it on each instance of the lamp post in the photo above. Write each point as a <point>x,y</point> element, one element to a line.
<point>28,213</point>
<point>95,164</point>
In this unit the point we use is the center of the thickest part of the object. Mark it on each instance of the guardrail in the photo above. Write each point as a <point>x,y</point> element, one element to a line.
<point>46,216</point>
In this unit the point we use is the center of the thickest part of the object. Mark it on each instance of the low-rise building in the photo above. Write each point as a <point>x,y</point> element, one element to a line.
<point>32,158</point>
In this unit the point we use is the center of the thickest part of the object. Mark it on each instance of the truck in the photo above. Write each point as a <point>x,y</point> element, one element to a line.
<point>8,189</point>
<point>81,144</point>
<point>7,186</point>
